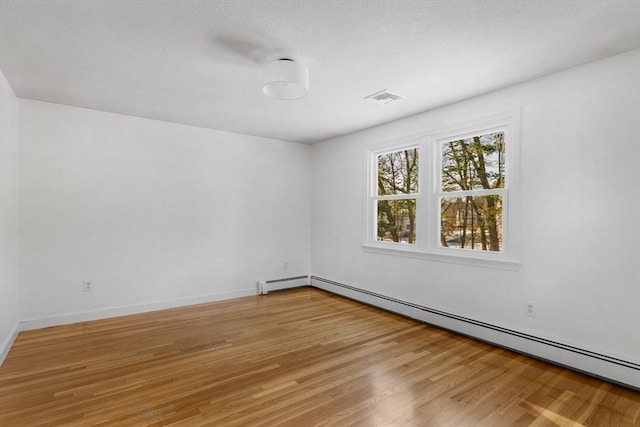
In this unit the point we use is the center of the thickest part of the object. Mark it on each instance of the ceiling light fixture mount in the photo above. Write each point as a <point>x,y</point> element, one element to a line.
<point>285,79</point>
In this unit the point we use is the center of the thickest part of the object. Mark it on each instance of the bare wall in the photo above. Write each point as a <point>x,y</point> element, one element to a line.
<point>150,211</point>
<point>9,286</point>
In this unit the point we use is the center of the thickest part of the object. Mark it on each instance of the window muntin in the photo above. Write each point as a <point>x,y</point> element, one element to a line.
<point>397,183</point>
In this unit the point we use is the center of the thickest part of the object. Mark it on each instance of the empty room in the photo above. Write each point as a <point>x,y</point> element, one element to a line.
<point>319,212</point>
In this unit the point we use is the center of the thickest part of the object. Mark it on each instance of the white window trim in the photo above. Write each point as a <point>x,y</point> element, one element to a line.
<point>372,190</point>
<point>427,244</point>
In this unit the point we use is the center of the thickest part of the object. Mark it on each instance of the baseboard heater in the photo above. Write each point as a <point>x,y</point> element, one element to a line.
<point>607,367</point>
<point>266,286</point>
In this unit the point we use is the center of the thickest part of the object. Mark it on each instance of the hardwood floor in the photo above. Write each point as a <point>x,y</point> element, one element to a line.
<point>296,358</point>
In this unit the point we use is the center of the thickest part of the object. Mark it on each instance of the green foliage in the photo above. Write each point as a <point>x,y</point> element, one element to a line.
<point>396,220</point>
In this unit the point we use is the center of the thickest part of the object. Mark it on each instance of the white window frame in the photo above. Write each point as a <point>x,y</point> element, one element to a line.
<point>429,144</point>
<point>375,197</point>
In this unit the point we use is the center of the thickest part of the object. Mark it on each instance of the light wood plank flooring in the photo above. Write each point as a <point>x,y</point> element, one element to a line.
<point>296,358</point>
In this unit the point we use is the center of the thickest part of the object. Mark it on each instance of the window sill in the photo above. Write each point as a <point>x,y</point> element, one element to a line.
<point>476,261</point>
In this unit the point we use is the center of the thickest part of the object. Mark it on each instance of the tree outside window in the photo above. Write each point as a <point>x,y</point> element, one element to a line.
<point>397,186</point>
<point>471,195</point>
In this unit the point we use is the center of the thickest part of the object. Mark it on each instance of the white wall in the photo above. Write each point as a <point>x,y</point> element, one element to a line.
<point>150,211</point>
<point>580,248</point>
<point>9,291</point>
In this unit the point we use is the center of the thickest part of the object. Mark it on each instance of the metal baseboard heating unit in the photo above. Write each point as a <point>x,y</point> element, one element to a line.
<point>266,286</point>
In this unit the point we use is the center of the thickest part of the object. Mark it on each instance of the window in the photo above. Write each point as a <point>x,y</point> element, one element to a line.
<point>472,190</point>
<point>397,187</point>
<point>448,195</point>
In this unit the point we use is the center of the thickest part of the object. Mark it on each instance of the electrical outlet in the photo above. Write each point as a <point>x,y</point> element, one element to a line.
<point>530,309</point>
<point>87,286</point>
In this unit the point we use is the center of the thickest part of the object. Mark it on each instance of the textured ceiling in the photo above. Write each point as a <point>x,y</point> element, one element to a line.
<point>199,62</point>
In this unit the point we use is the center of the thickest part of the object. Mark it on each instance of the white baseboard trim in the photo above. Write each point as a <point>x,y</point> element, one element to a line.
<point>600,365</point>
<point>85,316</point>
<point>8,342</point>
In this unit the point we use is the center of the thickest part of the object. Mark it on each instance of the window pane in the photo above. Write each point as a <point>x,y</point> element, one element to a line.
<point>398,172</point>
<point>471,222</point>
<point>397,221</point>
<point>473,163</point>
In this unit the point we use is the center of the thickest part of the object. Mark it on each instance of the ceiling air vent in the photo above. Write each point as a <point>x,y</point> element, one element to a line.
<point>384,97</point>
